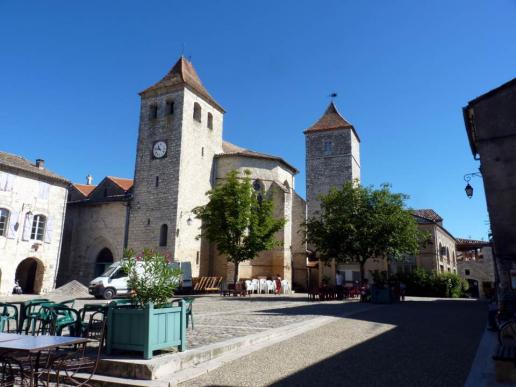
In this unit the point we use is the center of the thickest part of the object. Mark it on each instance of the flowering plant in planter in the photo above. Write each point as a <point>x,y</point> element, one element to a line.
<point>151,277</point>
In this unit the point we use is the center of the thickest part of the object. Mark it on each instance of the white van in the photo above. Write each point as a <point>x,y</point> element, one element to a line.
<point>113,282</point>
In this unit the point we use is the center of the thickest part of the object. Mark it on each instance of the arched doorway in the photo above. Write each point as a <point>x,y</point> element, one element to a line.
<point>29,275</point>
<point>104,259</point>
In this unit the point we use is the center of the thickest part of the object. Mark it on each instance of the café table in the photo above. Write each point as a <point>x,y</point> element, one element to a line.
<point>34,345</point>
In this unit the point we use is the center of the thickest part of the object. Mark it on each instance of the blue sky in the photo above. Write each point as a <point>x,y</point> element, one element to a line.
<point>71,71</point>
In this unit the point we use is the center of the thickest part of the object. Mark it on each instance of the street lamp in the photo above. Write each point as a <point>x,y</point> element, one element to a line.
<point>469,188</point>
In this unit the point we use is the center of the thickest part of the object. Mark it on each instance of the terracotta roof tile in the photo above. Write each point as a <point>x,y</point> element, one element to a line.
<point>230,149</point>
<point>428,214</point>
<point>330,120</point>
<point>11,161</point>
<point>125,184</point>
<point>85,189</point>
<point>183,73</point>
<point>471,243</point>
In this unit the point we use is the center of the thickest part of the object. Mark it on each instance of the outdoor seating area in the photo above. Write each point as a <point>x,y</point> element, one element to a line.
<point>247,287</point>
<point>330,293</point>
<point>43,342</point>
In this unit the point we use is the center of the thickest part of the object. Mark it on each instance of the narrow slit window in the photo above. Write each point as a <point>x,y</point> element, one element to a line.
<point>210,121</point>
<point>197,112</point>
<point>170,108</point>
<point>153,112</point>
<point>157,181</point>
<point>163,234</point>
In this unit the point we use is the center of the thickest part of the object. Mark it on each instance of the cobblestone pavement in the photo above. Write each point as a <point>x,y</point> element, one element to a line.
<point>424,343</point>
<point>219,318</point>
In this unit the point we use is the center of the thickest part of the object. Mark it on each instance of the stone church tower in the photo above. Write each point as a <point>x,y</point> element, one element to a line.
<point>332,156</point>
<point>180,132</point>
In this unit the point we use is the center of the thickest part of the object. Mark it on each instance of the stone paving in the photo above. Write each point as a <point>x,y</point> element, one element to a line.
<point>219,318</point>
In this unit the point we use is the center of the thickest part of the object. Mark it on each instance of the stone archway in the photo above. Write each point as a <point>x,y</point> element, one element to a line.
<point>103,261</point>
<point>29,275</point>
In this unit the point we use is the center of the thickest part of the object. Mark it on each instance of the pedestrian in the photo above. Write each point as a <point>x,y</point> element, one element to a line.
<point>17,288</point>
<point>403,290</point>
<point>277,282</point>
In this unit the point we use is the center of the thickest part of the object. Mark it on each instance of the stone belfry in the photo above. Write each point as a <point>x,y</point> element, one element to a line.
<point>332,156</point>
<point>180,132</point>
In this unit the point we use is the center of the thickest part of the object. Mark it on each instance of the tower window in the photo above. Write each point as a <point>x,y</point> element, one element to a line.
<point>210,121</point>
<point>153,112</point>
<point>170,107</point>
<point>327,147</point>
<point>202,151</point>
<point>197,112</point>
<point>197,258</point>
<point>163,233</point>
<point>157,181</point>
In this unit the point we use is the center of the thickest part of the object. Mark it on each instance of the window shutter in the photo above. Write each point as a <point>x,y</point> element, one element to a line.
<point>43,190</point>
<point>11,230</point>
<point>48,230</point>
<point>9,182</point>
<point>27,227</point>
<point>3,181</point>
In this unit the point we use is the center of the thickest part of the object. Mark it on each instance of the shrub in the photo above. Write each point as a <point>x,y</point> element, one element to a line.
<point>422,283</point>
<point>151,277</point>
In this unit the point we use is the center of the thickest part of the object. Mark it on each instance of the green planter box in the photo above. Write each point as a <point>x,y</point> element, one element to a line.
<point>146,330</point>
<point>381,296</point>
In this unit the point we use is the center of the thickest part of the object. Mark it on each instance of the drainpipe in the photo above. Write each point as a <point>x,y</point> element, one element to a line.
<point>60,239</point>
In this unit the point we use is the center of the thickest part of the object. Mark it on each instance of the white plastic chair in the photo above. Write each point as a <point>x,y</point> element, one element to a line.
<point>256,285</point>
<point>285,287</point>
<point>263,285</point>
<point>270,287</point>
<point>249,286</point>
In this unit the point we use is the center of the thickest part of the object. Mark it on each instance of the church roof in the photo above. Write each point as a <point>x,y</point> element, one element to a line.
<point>18,163</point>
<point>428,214</point>
<point>331,120</point>
<point>230,149</point>
<point>125,184</point>
<point>183,74</point>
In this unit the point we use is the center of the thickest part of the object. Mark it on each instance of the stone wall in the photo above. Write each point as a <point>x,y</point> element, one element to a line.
<point>24,201</point>
<point>89,228</point>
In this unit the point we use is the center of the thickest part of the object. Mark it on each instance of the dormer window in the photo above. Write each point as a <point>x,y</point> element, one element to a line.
<point>153,112</point>
<point>170,108</point>
<point>210,121</point>
<point>197,113</point>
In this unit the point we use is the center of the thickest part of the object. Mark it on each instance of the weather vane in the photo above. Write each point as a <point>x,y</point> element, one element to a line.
<point>333,95</point>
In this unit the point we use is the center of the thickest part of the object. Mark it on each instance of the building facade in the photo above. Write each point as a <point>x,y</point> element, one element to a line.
<point>491,128</point>
<point>475,264</point>
<point>32,213</point>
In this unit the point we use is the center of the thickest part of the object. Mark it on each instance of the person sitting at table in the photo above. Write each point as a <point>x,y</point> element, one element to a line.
<point>277,282</point>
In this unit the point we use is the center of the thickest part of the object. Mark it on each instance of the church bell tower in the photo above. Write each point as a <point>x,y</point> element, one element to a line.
<point>332,150</point>
<point>180,132</point>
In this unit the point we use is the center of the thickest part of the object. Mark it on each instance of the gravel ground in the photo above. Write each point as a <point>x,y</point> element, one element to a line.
<point>417,343</point>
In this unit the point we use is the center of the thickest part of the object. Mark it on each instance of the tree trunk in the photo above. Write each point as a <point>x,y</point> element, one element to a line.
<point>235,274</point>
<point>362,265</point>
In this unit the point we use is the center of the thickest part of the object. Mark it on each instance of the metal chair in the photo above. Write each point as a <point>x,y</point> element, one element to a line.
<point>189,310</point>
<point>84,360</point>
<point>9,312</point>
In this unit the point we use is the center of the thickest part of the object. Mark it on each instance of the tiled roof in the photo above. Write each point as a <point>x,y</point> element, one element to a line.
<point>230,149</point>
<point>461,242</point>
<point>85,189</point>
<point>125,184</point>
<point>19,163</point>
<point>183,73</point>
<point>428,214</point>
<point>331,120</point>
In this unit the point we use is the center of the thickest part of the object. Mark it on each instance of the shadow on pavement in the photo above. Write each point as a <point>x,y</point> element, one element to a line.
<point>433,344</point>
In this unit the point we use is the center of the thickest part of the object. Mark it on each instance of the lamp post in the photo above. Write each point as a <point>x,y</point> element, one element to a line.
<point>469,188</point>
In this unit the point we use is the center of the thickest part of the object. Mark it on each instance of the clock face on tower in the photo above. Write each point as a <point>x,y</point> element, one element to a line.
<point>159,149</point>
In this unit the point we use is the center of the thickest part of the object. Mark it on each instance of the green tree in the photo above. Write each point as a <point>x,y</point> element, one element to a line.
<point>238,220</point>
<point>358,223</point>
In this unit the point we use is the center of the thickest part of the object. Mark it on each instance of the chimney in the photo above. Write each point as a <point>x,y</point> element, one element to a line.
<point>89,180</point>
<point>40,163</point>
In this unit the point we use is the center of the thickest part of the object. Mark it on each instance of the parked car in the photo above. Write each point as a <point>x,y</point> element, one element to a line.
<point>114,281</point>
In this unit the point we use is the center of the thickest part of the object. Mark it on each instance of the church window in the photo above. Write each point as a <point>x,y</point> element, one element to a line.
<point>197,112</point>
<point>170,107</point>
<point>38,227</point>
<point>4,217</point>
<point>327,147</point>
<point>210,121</point>
<point>163,234</point>
<point>157,181</point>
<point>153,112</point>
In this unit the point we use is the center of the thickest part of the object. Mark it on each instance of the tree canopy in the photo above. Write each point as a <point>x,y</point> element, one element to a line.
<point>357,223</point>
<point>238,219</point>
